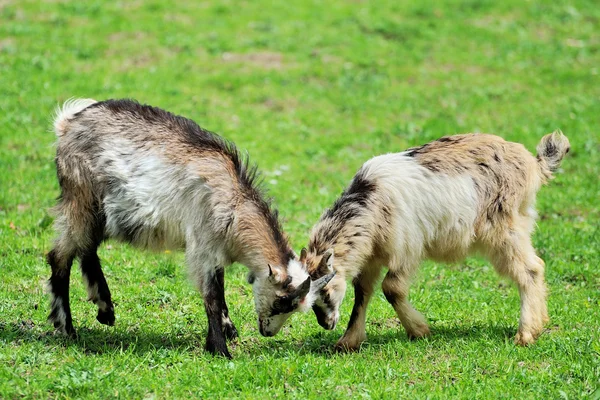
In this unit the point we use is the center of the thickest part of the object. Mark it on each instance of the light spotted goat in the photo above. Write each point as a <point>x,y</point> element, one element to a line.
<point>441,201</point>
<point>158,181</point>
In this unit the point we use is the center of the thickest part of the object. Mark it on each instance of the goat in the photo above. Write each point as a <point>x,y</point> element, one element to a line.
<point>142,175</point>
<point>458,195</point>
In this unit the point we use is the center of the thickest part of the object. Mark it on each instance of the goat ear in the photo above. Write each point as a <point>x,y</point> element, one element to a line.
<point>303,254</point>
<point>274,274</point>
<point>326,264</point>
<point>251,277</point>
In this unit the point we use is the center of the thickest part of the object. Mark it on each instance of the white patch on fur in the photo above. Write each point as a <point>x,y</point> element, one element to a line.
<point>57,303</point>
<point>102,305</point>
<point>157,198</point>
<point>299,274</point>
<point>93,295</point>
<point>91,289</point>
<point>224,320</point>
<point>69,108</point>
<point>434,214</point>
<point>168,205</point>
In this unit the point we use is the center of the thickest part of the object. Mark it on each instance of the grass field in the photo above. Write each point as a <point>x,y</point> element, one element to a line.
<point>311,90</point>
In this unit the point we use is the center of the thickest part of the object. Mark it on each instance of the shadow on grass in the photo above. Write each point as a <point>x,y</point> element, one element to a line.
<point>321,343</point>
<point>445,334</point>
<point>101,339</point>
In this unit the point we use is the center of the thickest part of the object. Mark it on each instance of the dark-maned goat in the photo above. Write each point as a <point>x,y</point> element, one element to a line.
<point>443,200</point>
<point>158,181</point>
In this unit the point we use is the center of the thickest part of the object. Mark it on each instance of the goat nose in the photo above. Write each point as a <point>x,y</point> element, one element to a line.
<point>333,322</point>
<point>264,332</point>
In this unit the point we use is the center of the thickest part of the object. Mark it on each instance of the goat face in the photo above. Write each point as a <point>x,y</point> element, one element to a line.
<point>279,295</point>
<point>329,296</point>
<point>282,293</point>
<point>328,301</point>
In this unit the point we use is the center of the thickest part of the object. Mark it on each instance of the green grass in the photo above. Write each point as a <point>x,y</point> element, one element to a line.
<point>311,90</point>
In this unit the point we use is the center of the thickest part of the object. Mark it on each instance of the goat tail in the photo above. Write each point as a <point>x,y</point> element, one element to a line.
<point>63,114</point>
<point>550,152</point>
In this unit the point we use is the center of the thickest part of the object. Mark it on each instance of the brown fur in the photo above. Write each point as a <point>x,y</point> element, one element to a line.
<point>143,175</point>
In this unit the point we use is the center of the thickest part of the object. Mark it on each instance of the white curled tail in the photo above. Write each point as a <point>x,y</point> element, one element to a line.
<point>67,111</point>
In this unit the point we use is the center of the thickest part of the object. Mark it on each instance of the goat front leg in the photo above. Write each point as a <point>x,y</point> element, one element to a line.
<point>213,292</point>
<point>363,289</point>
<point>205,264</point>
<point>226,323</point>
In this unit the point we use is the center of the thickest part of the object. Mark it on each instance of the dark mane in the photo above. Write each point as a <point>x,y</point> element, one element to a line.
<point>349,205</point>
<point>192,134</point>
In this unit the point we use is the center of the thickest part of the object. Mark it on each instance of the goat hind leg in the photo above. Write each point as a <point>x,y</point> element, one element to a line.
<point>517,259</point>
<point>98,291</point>
<point>60,261</point>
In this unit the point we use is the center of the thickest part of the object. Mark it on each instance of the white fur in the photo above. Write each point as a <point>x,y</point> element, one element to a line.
<point>93,294</point>
<point>56,303</point>
<point>299,274</point>
<point>434,213</point>
<point>69,108</point>
<point>170,203</point>
<point>433,216</point>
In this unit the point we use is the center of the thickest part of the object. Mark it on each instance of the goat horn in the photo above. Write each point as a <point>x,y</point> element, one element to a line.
<point>320,283</point>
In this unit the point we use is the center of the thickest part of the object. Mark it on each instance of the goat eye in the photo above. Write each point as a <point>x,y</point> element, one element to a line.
<point>282,305</point>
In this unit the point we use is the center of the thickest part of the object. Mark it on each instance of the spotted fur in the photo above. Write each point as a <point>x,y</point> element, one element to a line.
<point>444,200</point>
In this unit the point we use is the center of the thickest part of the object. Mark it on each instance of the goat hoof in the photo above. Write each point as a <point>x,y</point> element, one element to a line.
<point>71,331</point>
<point>418,332</point>
<point>106,317</point>
<point>344,348</point>
<point>230,331</point>
<point>524,339</point>
<point>347,346</point>
<point>66,330</point>
<point>217,349</point>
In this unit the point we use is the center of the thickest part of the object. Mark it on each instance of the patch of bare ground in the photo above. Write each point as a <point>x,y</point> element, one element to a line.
<point>267,60</point>
<point>280,105</point>
<point>496,22</point>
<point>138,57</point>
<point>326,58</point>
<point>6,43</point>
<point>127,36</point>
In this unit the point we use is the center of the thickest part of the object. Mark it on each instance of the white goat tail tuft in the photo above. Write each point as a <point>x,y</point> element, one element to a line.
<point>70,107</point>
